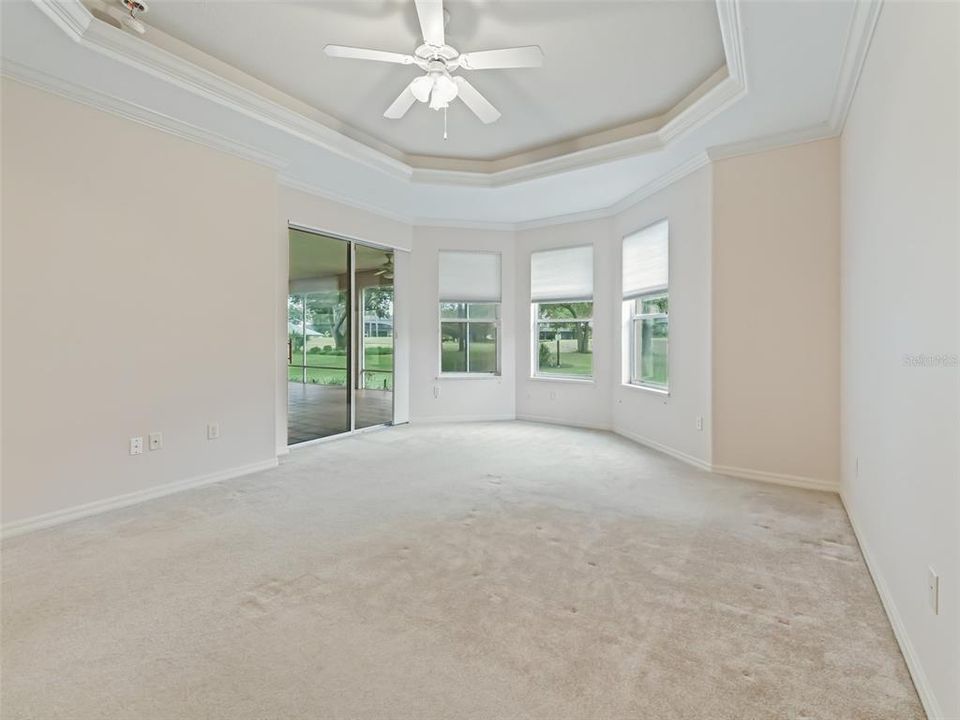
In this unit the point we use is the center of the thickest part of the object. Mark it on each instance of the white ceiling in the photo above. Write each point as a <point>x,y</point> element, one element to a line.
<point>607,63</point>
<point>800,62</point>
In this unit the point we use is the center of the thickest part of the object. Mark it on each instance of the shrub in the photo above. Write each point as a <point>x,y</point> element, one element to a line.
<point>544,355</point>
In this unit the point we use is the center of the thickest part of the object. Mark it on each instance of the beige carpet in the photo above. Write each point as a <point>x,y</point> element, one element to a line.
<point>500,570</point>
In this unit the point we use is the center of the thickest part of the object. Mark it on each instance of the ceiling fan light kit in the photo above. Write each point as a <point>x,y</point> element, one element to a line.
<point>438,86</point>
<point>131,21</point>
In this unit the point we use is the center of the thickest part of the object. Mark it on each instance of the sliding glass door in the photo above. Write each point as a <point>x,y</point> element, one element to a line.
<point>339,336</point>
<point>373,299</point>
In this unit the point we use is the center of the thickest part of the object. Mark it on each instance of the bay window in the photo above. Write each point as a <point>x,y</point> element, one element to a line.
<point>646,307</point>
<point>561,293</point>
<point>469,313</point>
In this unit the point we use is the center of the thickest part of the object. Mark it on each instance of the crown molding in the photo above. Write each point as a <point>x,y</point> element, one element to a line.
<point>294,184</point>
<point>728,13</point>
<point>71,17</point>
<point>859,35</point>
<point>799,136</point>
<point>135,52</point>
<point>75,20</point>
<point>675,174</point>
<point>664,181</point>
<point>131,111</point>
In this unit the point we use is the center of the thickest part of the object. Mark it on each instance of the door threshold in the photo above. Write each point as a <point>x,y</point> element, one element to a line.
<point>339,436</point>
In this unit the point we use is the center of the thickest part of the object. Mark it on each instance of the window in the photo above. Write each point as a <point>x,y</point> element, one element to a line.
<point>561,291</point>
<point>646,307</point>
<point>469,313</point>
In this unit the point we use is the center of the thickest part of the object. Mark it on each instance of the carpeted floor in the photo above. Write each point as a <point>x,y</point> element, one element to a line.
<point>481,571</point>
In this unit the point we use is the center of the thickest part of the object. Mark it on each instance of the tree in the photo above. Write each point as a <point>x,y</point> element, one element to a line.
<point>378,300</point>
<point>573,311</point>
<point>544,360</point>
<point>294,310</point>
<point>327,314</point>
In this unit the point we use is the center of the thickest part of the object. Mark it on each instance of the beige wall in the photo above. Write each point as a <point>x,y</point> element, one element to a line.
<point>770,374</point>
<point>901,274</point>
<point>776,328</point>
<point>138,289</point>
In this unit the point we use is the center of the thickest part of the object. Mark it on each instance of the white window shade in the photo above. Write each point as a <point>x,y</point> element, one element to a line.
<point>565,274</point>
<point>645,261</point>
<point>469,276</point>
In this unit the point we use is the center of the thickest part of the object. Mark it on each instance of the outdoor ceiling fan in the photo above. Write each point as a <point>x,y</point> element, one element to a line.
<point>385,271</point>
<point>438,60</point>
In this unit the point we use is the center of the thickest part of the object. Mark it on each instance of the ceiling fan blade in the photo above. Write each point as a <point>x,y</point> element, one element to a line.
<point>355,53</point>
<point>518,57</point>
<point>430,13</point>
<point>400,106</point>
<point>475,101</point>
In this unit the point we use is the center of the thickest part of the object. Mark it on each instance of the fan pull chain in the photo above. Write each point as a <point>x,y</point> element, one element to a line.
<point>444,123</point>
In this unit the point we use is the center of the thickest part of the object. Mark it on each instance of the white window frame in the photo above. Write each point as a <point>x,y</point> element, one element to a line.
<point>535,337</point>
<point>468,373</point>
<point>635,319</point>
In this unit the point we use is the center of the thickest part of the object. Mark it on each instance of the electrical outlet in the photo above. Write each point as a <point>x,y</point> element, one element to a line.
<point>436,391</point>
<point>213,431</point>
<point>136,446</point>
<point>933,590</point>
<point>553,394</point>
<point>699,422</point>
<point>156,440</point>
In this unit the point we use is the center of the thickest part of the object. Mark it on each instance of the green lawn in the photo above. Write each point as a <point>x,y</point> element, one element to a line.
<point>483,357</point>
<point>654,369</point>
<point>328,368</point>
<point>571,364</point>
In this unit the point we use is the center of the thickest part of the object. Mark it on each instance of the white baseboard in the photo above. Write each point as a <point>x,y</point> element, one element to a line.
<point>566,423</point>
<point>58,517</point>
<point>665,449</point>
<point>924,691</point>
<point>460,419</point>
<point>777,478</point>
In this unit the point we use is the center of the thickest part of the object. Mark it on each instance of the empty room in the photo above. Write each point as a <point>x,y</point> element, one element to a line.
<point>480,359</point>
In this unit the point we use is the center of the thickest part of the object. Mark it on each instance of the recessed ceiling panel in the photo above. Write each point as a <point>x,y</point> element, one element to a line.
<point>606,64</point>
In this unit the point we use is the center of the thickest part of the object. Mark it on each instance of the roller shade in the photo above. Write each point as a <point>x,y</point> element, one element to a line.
<point>469,276</point>
<point>645,261</point>
<point>565,274</point>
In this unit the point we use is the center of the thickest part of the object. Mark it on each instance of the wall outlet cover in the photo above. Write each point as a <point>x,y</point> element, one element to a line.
<point>136,446</point>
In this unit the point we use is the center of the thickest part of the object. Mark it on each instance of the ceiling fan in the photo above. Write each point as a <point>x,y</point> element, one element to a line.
<point>385,271</point>
<point>438,60</point>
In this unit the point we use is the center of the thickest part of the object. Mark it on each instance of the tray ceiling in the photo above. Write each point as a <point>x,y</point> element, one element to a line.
<point>607,64</point>
<point>791,68</point>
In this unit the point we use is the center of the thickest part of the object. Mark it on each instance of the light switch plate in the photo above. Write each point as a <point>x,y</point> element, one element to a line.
<point>136,446</point>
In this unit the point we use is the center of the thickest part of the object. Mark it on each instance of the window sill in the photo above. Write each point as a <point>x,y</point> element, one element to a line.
<point>563,379</point>
<point>468,376</point>
<point>663,392</point>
